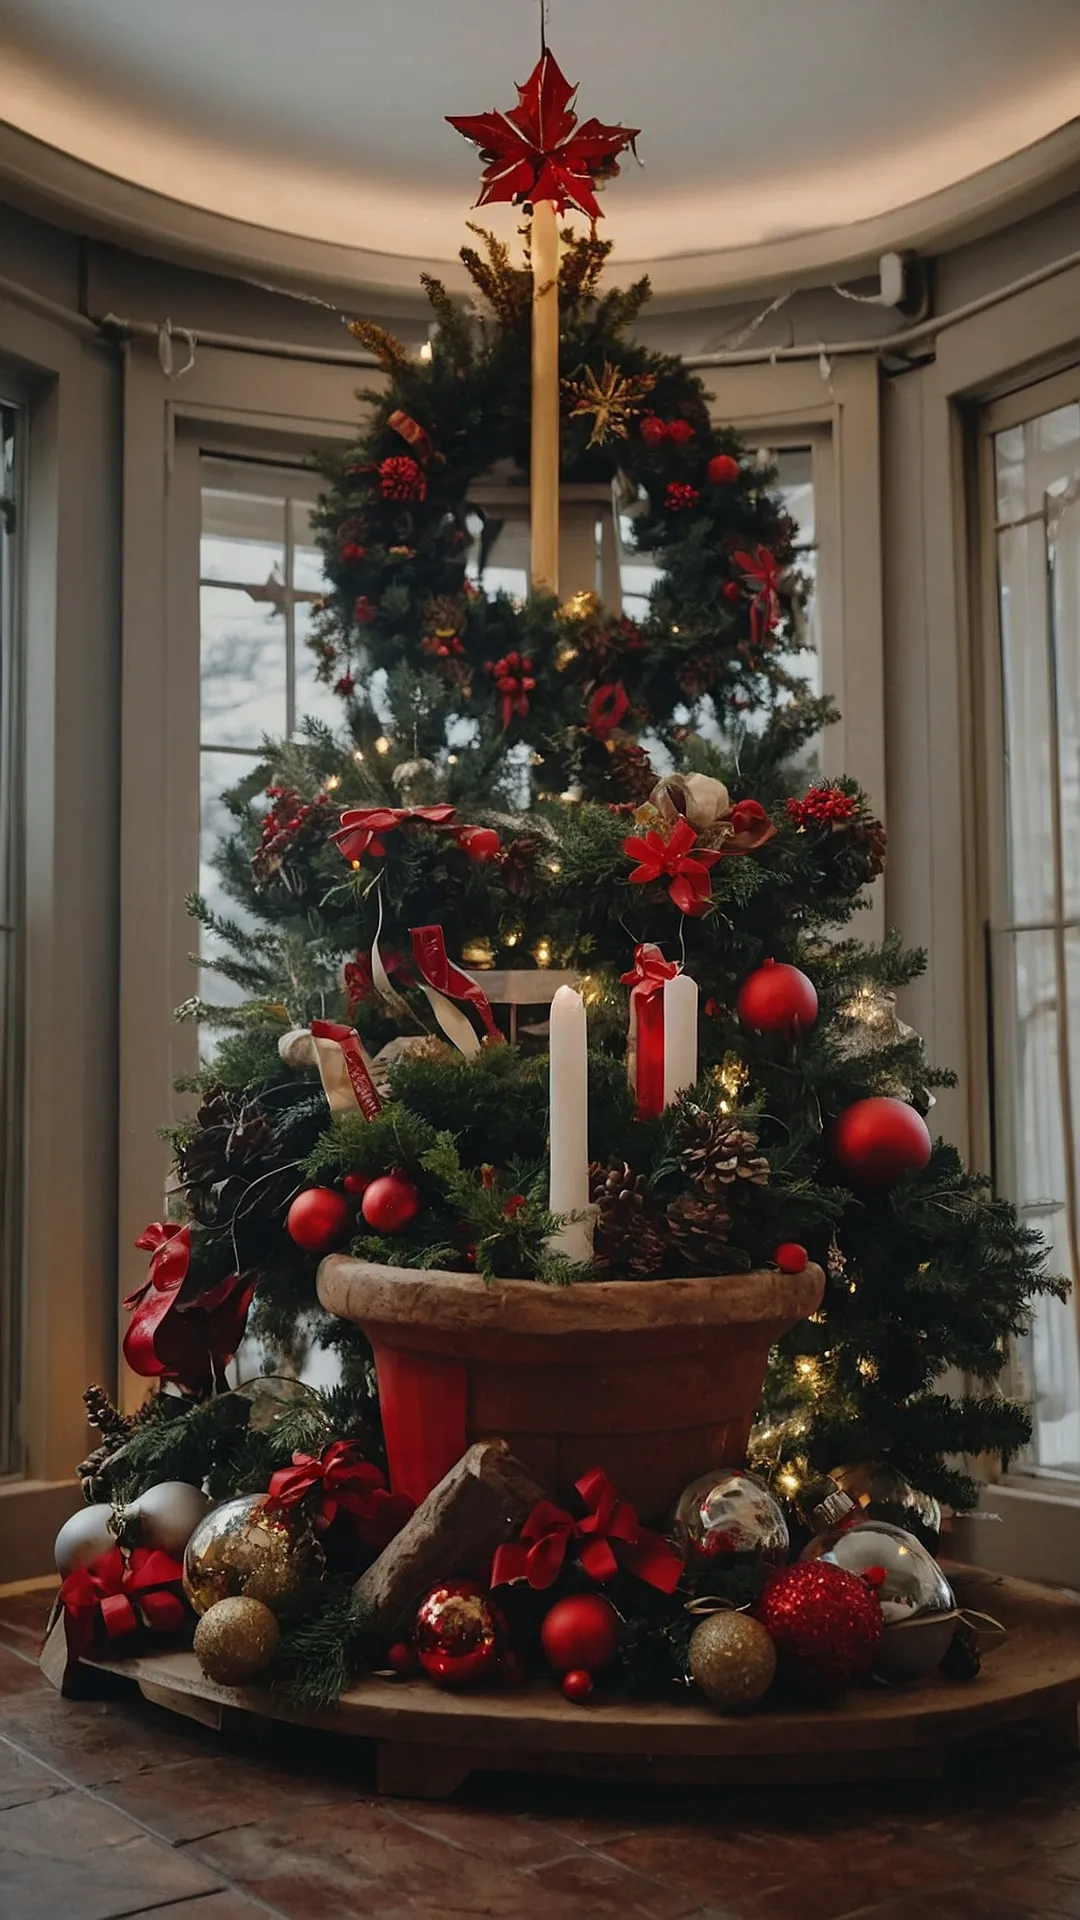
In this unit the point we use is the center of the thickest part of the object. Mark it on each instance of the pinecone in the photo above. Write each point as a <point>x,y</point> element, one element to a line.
<point>235,1140</point>
<point>871,836</point>
<point>632,769</point>
<point>115,1428</point>
<point>719,1152</point>
<point>629,1241</point>
<point>518,869</point>
<point>699,1230</point>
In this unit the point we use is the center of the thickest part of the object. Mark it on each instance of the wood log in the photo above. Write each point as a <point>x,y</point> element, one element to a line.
<point>454,1532</point>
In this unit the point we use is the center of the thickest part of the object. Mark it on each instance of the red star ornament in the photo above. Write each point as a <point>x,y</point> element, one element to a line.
<point>532,152</point>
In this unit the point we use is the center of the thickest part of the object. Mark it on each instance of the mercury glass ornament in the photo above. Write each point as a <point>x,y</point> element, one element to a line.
<point>916,1599</point>
<point>729,1512</point>
<point>732,1659</point>
<point>235,1639</point>
<point>884,1494</point>
<point>245,1547</point>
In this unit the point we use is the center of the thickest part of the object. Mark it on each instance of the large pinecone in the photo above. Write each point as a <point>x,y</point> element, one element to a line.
<point>234,1143</point>
<point>719,1153</point>
<point>699,1231</point>
<point>629,1241</point>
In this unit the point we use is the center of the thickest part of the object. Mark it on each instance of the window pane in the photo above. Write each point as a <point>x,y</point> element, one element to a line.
<point>243,537</point>
<point>12,503</point>
<point>313,697</point>
<point>1066,537</point>
<point>217,773</point>
<point>243,666</point>
<point>307,567</point>
<point>1026,719</point>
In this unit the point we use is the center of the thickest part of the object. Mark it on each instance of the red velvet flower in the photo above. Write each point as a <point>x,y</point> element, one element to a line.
<point>679,496</point>
<point>402,478</point>
<point>532,153</point>
<point>671,859</point>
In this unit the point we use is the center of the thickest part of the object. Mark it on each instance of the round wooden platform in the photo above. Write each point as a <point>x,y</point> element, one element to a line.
<point>427,1742</point>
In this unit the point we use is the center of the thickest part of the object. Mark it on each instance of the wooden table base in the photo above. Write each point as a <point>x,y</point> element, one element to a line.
<point>428,1742</point>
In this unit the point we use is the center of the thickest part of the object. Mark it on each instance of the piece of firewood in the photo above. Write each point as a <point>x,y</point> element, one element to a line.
<point>454,1532</point>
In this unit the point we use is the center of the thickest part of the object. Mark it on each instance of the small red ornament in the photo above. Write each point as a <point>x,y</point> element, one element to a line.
<point>731,590</point>
<point>480,843</point>
<point>364,611</point>
<point>875,1141</point>
<point>581,1631</point>
<point>319,1219</point>
<point>456,1634</point>
<point>390,1203</point>
<point>680,496</point>
<point>577,1684</point>
<point>402,478</point>
<point>680,431</point>
<point>827,1631</point>
<point>790,1257</point>
<point>776,998</point>
<point>356,1183</point>
<point>352,553</point>
<point>400,1657</point>
<point>722,470</point>
<point>653,430</point>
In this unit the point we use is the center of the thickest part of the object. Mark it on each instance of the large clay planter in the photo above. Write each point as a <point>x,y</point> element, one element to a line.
<point>654,1381</point>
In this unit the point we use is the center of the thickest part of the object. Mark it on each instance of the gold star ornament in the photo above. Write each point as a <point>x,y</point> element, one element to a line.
<point>612,398</point>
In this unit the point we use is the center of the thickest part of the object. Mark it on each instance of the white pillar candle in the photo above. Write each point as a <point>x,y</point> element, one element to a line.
<point>680,1035</point>
<point>569,1147</point>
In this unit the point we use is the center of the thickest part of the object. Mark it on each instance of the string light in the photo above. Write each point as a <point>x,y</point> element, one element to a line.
<point>358,756</point>
<point>333,782</point>
<point>868,1368</point>
<point>382,744</point>
<point>426,352</point>
<point>554,866</point>
<point>542,953</point>
<point>790,1482</point>
<point>511,940</point>
<point>451,759</point>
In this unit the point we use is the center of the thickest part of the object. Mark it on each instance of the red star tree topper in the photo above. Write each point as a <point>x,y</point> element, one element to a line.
<point>532,152</point>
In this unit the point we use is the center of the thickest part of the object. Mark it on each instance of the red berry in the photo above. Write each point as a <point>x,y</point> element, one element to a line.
<point>577,1684</point>
<point>790,1257</point>
<point>401,1657</point>
<point>390,1203</point>
<point>722,470</point>
<point>355,1183</point>
<point>731,590</point>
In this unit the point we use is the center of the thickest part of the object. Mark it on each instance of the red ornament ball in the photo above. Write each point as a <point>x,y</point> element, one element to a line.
<point>722,470</point>
<point>790,1257</point>
<point>577,1684</point>
<point>456,1634</point>
<point>581,1631</point>
<point>875,1141</point>
<point>480,843</point>
<point>389,1203</point>
<point>826,1631</point>
<point>776,998</point>
<point>732,590</point>
<point>318,1219</point>
<point>653,430</point>
<point>356,1183</point>
<point>680,431</point>
<point>352,553</point>
<point>400,1658</point>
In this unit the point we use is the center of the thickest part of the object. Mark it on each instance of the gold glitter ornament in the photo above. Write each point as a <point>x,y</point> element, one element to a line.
<point>732,1659</point>
<point>235,1639</point>
<point>611,398</point>
<point>246,1548</point>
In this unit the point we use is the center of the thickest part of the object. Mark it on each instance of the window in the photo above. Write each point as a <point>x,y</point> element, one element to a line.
<point>1033,944</point>
<point>11,937</point>
<point>259,574</point>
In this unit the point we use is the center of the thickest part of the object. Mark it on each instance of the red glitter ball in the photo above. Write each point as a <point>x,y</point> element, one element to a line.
<point>825,1622</point>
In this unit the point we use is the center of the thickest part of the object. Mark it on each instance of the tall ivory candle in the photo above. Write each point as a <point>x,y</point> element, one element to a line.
<point>680,1035</point>
<point>544,479</point>
<point>569,1080</point>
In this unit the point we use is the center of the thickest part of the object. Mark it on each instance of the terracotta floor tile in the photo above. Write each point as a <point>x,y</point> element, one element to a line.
<point>601,1887</point>
<point>71,1855</point>
<point>23,1778</point>
<point>226,1905</point>
<point>512,1838</point>
<point>958,1903</point>
<point>23,1619</point>
<point>710,1865</point>
<point>19,1675</point>
<point>195,1798</point>
<point>93,1741</point>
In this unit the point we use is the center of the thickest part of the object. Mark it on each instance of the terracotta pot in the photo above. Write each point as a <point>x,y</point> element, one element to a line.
<point>654,1381</point>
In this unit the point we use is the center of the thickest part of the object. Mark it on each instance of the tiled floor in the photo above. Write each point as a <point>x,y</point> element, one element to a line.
<point>114,1808</point>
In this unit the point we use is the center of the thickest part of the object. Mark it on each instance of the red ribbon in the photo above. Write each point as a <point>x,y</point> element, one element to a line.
<point>762,573</point>
<point>360,1080</point>
<point>346,1483</point>
<point>121,1596</point>
<point>411,431</point>
<point>688,875</point>
<point>609,705</point>
<point>514,680</point>
<point>645,1052</point>
<point>434,966</point>
<point>190,1341</point>
<point>608,1537</point>
<point>362,828</point>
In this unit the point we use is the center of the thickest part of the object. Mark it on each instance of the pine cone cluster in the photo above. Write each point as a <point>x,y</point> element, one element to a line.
<point>719,1153</point>
<point>630,1241</point>
<point>699,1231</point>
<point>115,1429</point>
<point>234,1143</point>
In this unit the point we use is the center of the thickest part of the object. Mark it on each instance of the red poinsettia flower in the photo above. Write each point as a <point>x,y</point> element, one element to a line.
<point>671,859</point>
<point>532,153</point>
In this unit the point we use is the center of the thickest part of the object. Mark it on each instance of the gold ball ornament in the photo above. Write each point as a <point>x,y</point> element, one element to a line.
<point>235,1639</point>
<point>247,1549</point>
<point>732,1659</point>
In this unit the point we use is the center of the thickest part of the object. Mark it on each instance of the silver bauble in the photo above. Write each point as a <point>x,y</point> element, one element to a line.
<point>884,1494</point>
<point>164,1517</point>
<point>85,1537</point>
<point>728,1512</point>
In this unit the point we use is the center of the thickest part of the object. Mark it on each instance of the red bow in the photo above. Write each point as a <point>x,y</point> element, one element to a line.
<point>362,828</point>
<point>346,1483</point>
<point>751,827</point>
<point>645,1041</point>
<point>658,858</point>
<point>649,971</point>
<point>122,1595</point>
<point>609,705</point>
<point>609,1524</point>
<point>532,153</point>
<point>190,1341</point>
<point>514,680</point>
<point>763,574</point>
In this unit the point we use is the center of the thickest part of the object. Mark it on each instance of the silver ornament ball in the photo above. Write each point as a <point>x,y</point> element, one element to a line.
<point>164,1517</point>
<point>730,1512</point>
<point>84,1538</point>
<point>883,1493</point>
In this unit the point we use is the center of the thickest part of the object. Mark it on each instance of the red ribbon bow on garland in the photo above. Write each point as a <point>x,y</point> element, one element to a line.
<point>190,1341</point>
<point>122,1595</point>
<point>532,153</point>
<point>514,679</point>
<point>763,574</point>
<point>608,1537</point>
<point>608,707</point>
<point>690,886</point>
<point>362,828</point>
<point>345,1483</point>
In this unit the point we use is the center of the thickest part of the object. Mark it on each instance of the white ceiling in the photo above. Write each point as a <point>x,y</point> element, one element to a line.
<point>760,119</point>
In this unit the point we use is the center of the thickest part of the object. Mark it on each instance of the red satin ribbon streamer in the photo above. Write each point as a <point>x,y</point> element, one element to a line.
<point>645,1047</point>
<point>763,574</point>
<point>609,705</point>
<point>413,432</point>
<point>608,1537</point>
<point>362,828</point>
<point>434,966</point>
<point>190,1341</point>
<point>360,1079</point>
<point>345,1483</point>
<point>121,1596</point>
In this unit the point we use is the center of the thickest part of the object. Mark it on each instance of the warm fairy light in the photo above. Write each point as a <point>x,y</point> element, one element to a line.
<point>725,1106</point>
<point>790,1482</point>
<point>358,756</point>
<point>333,782</point>
<point>355,864</point>
<point>536,759</point>
<point>511,940</point>
<point>542,953</point>
<point>868,1368</point>
<point>676,629</point>
<point>451,759</point>
<point>554,866</point>
<point>382,744</point>
<point>477,953</point>
<point>563,657</point>
<point>426,352</point>
<point>733,1075</point>
<point>870,1007</point>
